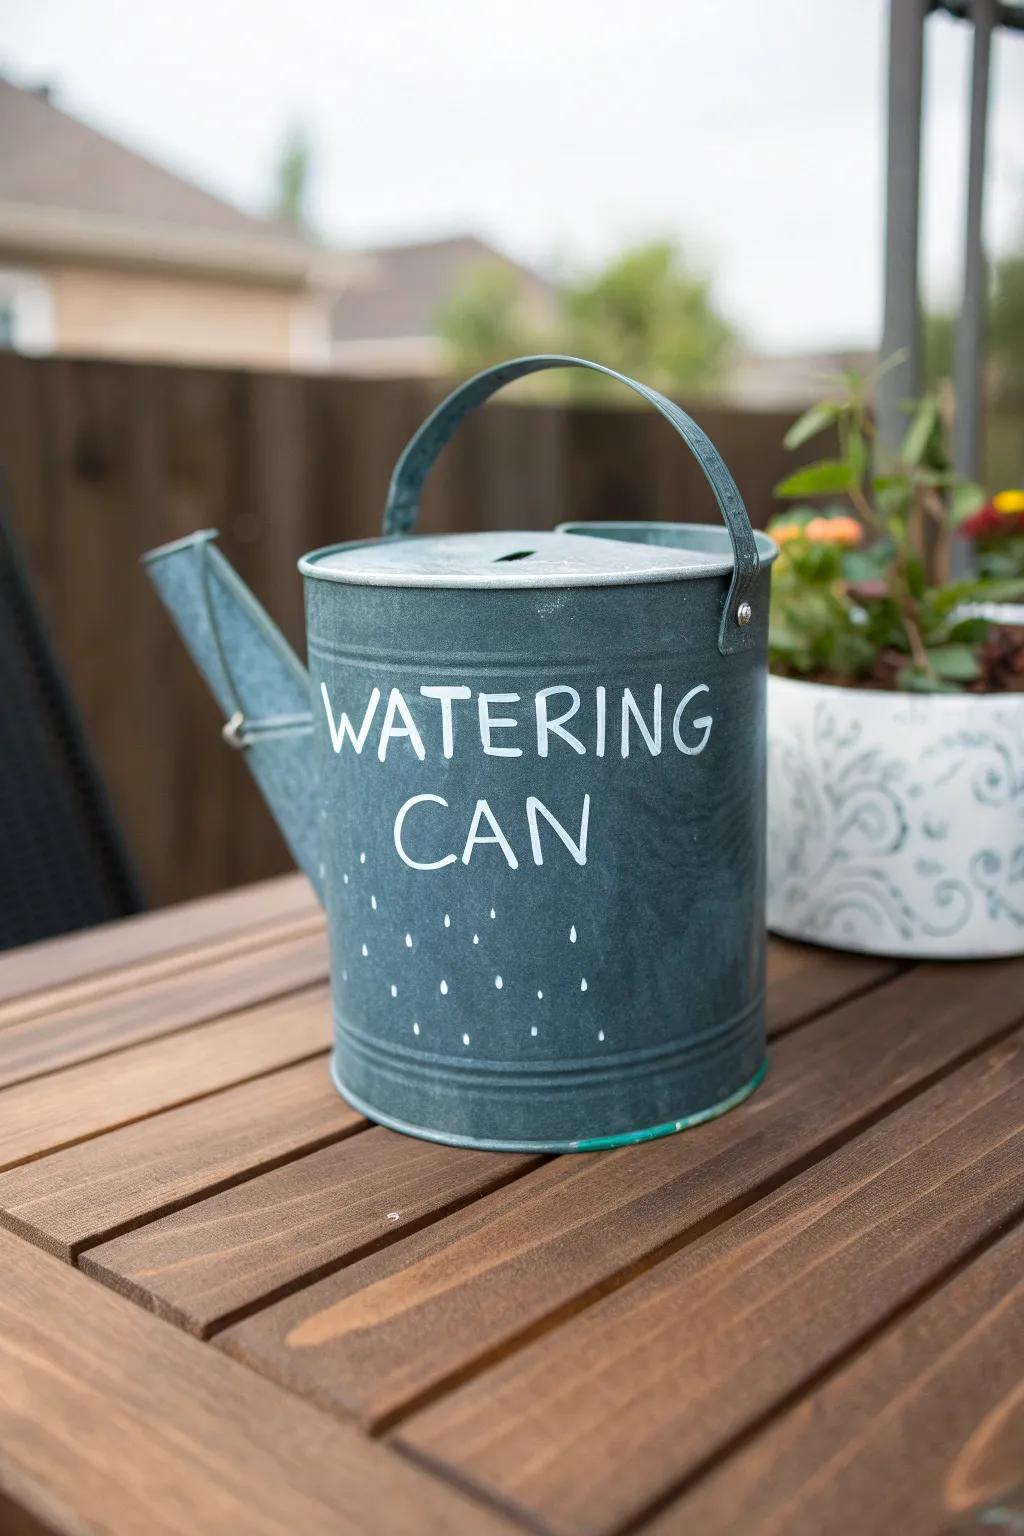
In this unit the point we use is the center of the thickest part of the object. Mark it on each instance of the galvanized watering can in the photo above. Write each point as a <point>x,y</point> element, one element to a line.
<point>526,775</point>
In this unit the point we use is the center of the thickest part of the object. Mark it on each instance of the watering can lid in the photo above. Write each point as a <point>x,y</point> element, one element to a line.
<point>516,560</point>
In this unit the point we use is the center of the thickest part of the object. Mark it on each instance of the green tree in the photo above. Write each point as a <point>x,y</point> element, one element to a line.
<point>648,315</point>
<point>291,179</point>
<point>645,314</point>
<point>484,320</point>
<point>1006,323</point>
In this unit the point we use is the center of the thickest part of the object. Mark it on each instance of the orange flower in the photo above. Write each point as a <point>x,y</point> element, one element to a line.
<point>785,532</point>
<point>1009,502</point>
<point>844,531</point>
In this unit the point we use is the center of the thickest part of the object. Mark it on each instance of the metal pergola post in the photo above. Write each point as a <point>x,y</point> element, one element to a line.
<point>901,317</point>
<point>970,332</point>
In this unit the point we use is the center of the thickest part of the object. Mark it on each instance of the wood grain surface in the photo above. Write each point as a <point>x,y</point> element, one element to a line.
<point>103,1186</point>
<point>804,980</point>
<point>184,930</point>
<point>925,1425</point>
<point>110,1421</point>
<point>188,996</point>
<point>384,1335</point>
<point>213,1261</point>
<point>648,1383</point>
<point>804,1317</point>
<point>85,1100</point>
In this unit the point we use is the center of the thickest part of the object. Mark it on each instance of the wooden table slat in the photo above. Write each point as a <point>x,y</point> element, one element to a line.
<point>804,980</point>
<point>56,962</point>
<point>645,1386</point>
<point>103,1186</point>
<point>88,1099</point>
<point>379,1337</point>
<point>213,1261</point>
<point>702,1333</point>
<point>923,1426</point>
<point>179,1001</point>
<point>97,1188</point>
<point>75,996</point>
<point>111,1421</point>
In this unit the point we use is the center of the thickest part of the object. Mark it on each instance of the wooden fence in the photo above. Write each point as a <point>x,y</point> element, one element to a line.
<point>102,460</point>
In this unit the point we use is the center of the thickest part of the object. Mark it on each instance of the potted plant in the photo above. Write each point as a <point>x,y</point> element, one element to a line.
<point>896,701</point>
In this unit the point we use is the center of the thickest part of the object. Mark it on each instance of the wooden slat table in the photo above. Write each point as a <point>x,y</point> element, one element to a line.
<point>228,1304</point>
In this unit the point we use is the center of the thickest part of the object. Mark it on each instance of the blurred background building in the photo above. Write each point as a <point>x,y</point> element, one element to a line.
<point>241,260</point>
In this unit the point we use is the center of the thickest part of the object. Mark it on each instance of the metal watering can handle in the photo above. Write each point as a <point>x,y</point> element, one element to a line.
<point>419,454</point>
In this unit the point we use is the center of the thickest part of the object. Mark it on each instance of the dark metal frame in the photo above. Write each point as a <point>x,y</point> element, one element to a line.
<point>901,324</point>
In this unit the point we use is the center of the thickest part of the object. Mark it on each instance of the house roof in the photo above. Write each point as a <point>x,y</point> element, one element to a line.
<point>68,190</point>
<point>403,286</point>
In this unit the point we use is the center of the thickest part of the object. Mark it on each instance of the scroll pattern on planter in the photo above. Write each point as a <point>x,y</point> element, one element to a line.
<point>896,824</point>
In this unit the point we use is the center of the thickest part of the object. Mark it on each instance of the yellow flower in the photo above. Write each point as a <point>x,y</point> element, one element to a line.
<point>1009,502</point>
<point>844,531</point>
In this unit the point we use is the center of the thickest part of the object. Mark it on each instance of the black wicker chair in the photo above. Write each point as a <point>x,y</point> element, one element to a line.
<point>63,862</point>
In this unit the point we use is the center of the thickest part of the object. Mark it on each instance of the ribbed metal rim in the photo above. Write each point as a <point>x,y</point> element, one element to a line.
<point>310,566</point>
<point>591,1144</point>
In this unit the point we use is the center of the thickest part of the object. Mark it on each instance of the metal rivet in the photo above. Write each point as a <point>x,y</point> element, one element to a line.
<point>744,614</point>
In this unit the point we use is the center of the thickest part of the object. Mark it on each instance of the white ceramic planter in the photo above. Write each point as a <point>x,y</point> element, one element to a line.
<point>896,821</point>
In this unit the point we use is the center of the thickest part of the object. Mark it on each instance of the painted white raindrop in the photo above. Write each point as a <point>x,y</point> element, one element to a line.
<point>322,867</point>
<point>344,879</point>
<point>476,938</point>
<point>365,952</point>
<point>493,913</point>
<point>444,989</point>
<point>540,994</point>
<point>415,1029</point>
<point>572,934</point>
<point>447,920</point>
<point>498,983</point>
<point>465,1039</point>
<point>373,903</point>
<point>344,975</point>
<point>600,1034</point>
<point>362,858</point>
<point>394,990</point>
<point>583,983</point>
<point>533,1030</point>
<point>408,941</point>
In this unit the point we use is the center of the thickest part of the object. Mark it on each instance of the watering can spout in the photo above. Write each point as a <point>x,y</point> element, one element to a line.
<point>255,676</point>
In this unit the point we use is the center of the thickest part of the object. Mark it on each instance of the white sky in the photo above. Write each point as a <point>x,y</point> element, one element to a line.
<point>560,129</point>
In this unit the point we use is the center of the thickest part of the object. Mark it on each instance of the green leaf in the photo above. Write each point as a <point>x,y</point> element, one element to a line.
<point>979,590</point>
<point>970,631</point>
<point>912,681</point>
<point>966,500</point>
<point>954,663</point>
<point>816,479</point>
<point>892,494</point>
<point>813,421</point>
<point>919,433</point>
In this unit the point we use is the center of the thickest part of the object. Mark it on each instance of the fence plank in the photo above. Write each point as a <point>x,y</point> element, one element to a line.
<point>106,459</point>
